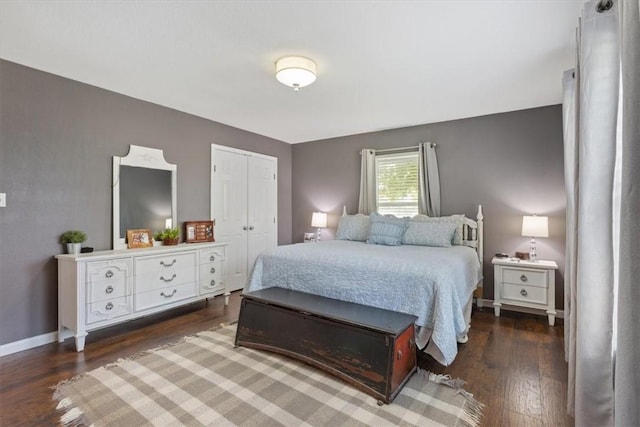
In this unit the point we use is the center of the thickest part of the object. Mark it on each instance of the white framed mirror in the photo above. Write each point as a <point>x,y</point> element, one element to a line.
<point>144,193</point>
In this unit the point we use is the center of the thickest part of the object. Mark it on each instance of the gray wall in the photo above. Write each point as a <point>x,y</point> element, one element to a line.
<point>511,164</point>
<point>57,140</point>
<point>58,136</point>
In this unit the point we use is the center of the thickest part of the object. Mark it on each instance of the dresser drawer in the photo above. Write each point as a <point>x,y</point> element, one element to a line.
<point>163,296</point>
<point>108,309</point>
<point>212,254</point>
<point>111,271</point>
<point>105,290</point>
<point>211,278</point>
<point>164,263</point>
<point>154,273</point>
<point>521,276</point>
<point>524,293</point>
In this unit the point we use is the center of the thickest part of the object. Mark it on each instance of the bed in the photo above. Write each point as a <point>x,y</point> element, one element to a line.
<point>436,284</point>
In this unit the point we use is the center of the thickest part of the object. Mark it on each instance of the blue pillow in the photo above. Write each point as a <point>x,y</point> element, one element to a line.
<point>386,230</point>
<point>438,234</point>
<point>353,227</point>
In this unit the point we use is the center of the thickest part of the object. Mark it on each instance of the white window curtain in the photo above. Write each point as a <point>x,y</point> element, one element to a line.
<point>429,180</point>
<point>602,291</point>
<point>367,201</point>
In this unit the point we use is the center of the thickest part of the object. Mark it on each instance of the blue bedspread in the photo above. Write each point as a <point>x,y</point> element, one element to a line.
<point>434,284</point>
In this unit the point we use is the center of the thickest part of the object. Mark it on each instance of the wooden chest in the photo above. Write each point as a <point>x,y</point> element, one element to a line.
<point>371,348</point>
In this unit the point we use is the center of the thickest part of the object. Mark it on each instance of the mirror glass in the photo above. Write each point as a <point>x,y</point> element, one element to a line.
<point>144,193</point>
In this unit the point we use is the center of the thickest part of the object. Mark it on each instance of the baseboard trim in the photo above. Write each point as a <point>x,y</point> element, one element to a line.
<point>488,304</point>
<point>28,343</point>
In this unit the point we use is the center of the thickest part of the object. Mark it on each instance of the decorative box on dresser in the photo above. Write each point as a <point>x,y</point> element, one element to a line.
<point>104,288</point>
<point>525,284</point>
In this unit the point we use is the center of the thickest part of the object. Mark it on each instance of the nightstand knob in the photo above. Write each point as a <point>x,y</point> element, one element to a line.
<point>523,278</point>
<point>523,292</point>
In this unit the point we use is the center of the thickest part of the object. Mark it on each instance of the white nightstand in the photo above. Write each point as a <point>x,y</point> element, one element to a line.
<point>525,284</point>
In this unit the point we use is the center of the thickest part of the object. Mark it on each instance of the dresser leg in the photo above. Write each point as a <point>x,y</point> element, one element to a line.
<point>496,308</point>
<point>80,342</point>
<point>552,318</point>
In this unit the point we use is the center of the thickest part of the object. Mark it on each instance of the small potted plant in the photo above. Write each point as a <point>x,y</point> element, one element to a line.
<point>73,239</point>
<point>169,236</point>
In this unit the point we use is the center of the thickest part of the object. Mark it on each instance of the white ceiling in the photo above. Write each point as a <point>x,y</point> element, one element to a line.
<point>381,64</point>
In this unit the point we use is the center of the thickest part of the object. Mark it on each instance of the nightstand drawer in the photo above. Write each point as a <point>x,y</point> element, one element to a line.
<point>522,293</point>
<point>522,276</point>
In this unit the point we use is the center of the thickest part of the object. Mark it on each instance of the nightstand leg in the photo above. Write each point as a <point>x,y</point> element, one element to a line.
<point>496,308</point>
<point>552,318</point>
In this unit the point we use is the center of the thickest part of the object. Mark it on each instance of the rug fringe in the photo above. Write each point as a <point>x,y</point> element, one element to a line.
<point>71,415</point>
<point>473,409</point>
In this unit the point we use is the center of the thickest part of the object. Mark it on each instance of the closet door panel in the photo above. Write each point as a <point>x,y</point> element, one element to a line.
<point>262,206</point>
<point>229,210</point>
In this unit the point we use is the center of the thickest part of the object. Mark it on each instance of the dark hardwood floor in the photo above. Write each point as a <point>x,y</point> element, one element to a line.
<point>513,364</point>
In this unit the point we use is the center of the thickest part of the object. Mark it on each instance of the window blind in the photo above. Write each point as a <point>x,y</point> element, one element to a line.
<point>397,184</point>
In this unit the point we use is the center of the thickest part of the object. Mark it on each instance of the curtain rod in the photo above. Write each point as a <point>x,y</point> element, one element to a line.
<point>413,147</point>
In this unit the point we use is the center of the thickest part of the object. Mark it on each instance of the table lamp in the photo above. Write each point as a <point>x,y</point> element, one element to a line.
<point>319,220</point>
<point>534,226</point>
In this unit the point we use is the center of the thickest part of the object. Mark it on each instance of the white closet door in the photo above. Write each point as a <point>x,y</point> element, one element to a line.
<point>262,203</point>
<point>244,205</point>
<point>229,210</point>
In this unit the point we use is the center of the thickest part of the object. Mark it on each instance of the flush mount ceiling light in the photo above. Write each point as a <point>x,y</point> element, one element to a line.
<point>295,71</point>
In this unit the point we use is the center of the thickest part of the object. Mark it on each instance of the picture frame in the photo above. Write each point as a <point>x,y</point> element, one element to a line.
<point>309,237</point>
<point>199,231</point>
<point>139,238</point>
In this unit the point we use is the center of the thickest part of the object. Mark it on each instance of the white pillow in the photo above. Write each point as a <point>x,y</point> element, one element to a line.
<point>353,227</point>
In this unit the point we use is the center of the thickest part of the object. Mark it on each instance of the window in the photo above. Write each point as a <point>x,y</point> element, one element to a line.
<point>397,184</point>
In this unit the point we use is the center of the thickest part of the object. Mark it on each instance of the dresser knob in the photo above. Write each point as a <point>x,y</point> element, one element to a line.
<point>213,270</point>
<point>109,306</point>
<point>109,289</point>
<point>108,274</point>
<point>523,278</point>
<point>162,263</point>
<point>168,280</point>
<point>524,293</point>
<point>212,258</point>
<point>213,282</point>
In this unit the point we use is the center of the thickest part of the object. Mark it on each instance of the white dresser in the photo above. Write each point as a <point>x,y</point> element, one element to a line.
<point>103,288</point>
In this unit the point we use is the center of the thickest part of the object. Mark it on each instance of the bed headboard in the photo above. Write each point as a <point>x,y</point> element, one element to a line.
<point>473,233</point>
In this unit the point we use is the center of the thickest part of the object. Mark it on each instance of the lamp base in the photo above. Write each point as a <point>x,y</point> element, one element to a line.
<point>533,256</point>
<point>318,235</point>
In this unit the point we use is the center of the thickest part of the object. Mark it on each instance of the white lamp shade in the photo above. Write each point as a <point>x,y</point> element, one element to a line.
<point>535,226</point>
<point>319,220</point>
<point>295,71</point>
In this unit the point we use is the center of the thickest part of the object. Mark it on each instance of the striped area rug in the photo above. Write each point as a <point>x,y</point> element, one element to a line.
<point>204,380</point>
